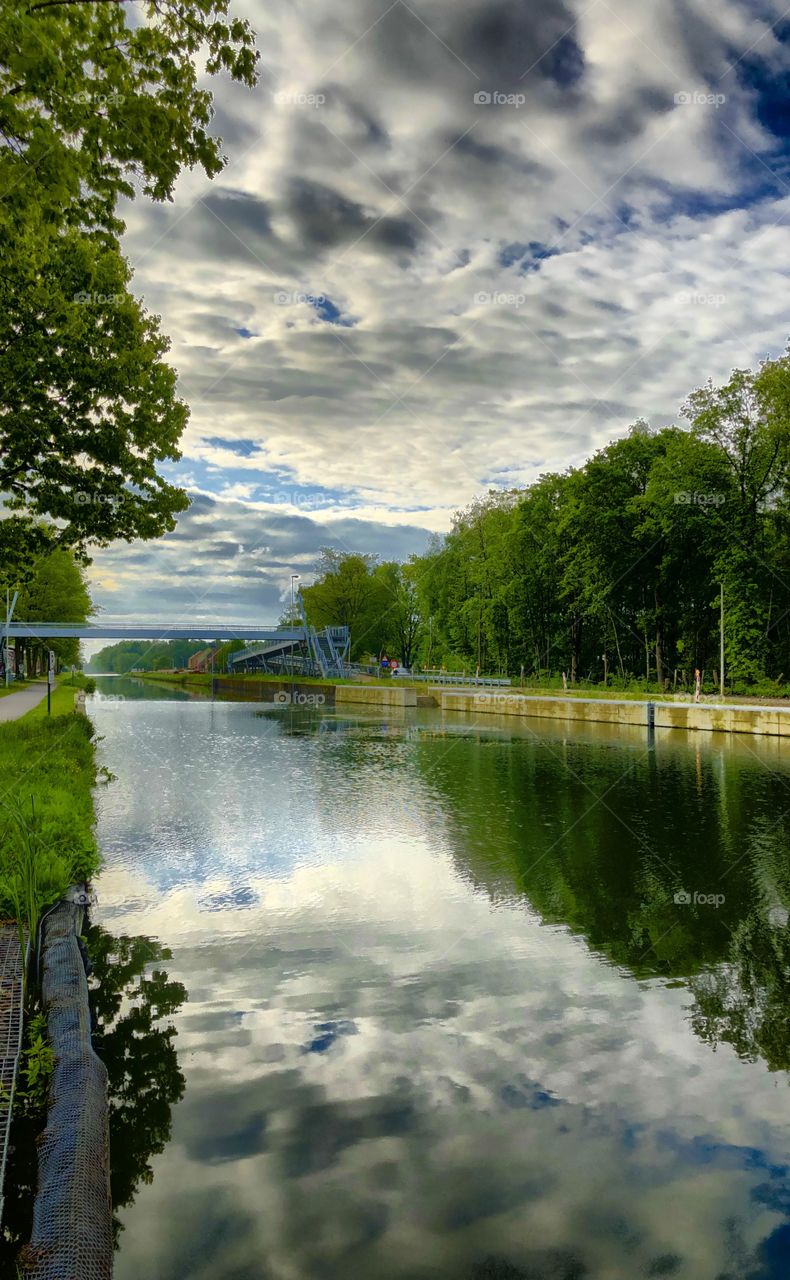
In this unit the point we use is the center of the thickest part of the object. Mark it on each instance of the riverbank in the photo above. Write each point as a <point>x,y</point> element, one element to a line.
<point>709,717</point>
<point>48,764</point>
<point>761,719</point>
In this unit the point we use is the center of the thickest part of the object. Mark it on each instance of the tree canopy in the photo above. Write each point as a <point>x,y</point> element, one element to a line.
<point>98,100</point>
<point>55,591</point>
<point>612,570</point>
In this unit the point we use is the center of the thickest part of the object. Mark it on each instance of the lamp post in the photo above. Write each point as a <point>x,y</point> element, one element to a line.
<point>294,578</point>
<point>721,642</point>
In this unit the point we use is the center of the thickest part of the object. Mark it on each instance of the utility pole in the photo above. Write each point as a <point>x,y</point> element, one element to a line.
<point>50,679</point>
<point>721,640</point>
<point>479,620</point>
<point>294,578</point>
<point>9,613</point>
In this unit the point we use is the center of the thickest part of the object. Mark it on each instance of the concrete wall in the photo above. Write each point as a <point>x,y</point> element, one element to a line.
<point>725,718</point>
<point>772,721</point>
<point>373,695</point>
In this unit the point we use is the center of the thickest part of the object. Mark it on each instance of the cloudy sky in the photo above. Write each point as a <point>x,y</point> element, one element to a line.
<point>457,243</point>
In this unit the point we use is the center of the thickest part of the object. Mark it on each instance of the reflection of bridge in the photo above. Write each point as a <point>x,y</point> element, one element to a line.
<point>292,649</point>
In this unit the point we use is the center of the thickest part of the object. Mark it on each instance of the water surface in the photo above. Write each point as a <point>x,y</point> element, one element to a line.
<point>423,998</point>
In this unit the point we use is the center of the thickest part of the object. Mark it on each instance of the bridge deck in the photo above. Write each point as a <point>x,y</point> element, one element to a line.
<point>149,631</point>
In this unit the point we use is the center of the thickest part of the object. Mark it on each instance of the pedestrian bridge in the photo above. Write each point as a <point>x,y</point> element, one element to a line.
<point>300,649</point>
<point>149,631</point>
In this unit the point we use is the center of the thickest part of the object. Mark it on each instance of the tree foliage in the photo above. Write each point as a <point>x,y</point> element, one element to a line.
<point>98,100</point>
<point>378,602</point>
<point>55,591</point>
<point>612,571</point>
<point>145,655</point>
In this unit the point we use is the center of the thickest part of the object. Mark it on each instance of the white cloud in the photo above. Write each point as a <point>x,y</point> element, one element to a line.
<point>396,197</point>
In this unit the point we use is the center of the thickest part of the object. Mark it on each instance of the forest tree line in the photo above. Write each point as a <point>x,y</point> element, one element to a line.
<point>611,571</point>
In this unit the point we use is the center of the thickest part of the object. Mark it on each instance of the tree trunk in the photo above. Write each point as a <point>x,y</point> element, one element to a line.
<point>659,644</point>
<point>659,655</point>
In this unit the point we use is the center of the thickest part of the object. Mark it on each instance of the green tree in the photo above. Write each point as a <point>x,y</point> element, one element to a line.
<point>87,406</point>
<point>148,655</point>
<point>348,593</point>
<point>56,591</point>
<point>401,621</point>
<point>97,100</point>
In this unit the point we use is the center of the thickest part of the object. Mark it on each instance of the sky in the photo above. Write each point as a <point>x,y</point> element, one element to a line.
<point>457,243</point>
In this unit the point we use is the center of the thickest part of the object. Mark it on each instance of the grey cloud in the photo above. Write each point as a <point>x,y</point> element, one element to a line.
<point>228,558</point>
<point>594,338</point>
<point>629,116</point>
<point>491,154</point>
<point>325,218</point>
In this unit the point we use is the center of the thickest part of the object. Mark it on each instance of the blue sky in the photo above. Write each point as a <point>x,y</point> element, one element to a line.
<point>456,244</point>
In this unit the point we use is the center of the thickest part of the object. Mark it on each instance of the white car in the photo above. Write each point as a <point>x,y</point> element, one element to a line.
<point>401,671</point>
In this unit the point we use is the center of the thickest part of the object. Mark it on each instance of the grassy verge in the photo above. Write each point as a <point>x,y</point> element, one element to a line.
<point>204,679</point>
<point>63,697</point>
<point>47,773</point>
<point>14,687</point>
<point>608,695</point>
<point>201,680</point>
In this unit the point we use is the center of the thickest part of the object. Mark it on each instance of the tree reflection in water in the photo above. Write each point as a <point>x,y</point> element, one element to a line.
<point>131,1002</point>
<point>746,1003</point>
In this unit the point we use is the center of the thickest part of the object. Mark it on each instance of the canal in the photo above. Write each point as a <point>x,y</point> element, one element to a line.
<point>421,998</point>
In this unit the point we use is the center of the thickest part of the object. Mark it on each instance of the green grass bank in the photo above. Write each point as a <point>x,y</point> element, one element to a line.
<point>47,841</point>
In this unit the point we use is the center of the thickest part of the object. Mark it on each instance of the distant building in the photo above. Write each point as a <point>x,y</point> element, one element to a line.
<point>201,661</point>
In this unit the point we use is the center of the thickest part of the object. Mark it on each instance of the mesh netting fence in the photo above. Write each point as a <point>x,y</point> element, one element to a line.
<point>72,1217</point>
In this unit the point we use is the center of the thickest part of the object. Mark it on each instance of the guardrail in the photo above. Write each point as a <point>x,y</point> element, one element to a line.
<point>426,677</point>
<point>447,678</point>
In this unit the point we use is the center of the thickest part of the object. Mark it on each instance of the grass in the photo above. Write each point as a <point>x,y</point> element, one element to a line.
<point>63,697</point>
<point>48,770</point>
<point>640,693</point>
<point>204,678</point>
<point>14,687</point>
<point>616,695</point>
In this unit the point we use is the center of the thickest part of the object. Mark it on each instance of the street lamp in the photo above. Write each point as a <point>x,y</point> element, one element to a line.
<point>294,578</point>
